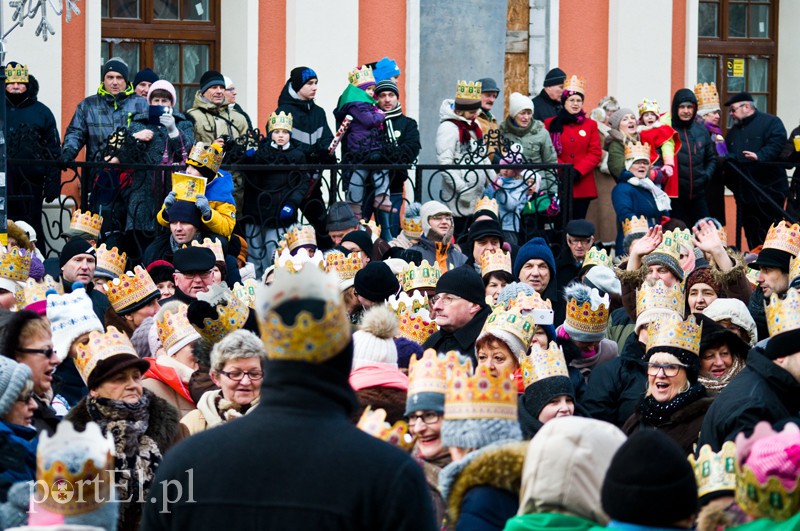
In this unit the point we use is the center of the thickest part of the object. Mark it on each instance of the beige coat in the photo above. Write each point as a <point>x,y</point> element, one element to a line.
<point>207,415</point>
<point>162,390</point>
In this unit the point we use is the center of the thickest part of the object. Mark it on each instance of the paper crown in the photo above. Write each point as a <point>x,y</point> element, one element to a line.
<point>672,331</point>
<point>525,302</point>
<point>479,395</point>
<point>635,225</point>
<point>486,203</point>
<point>86,222</point>
<point>794,270</point>
<point>374,423</point>
<point>413,303</point>
<point>174,329</point>
<point>298,235</point>
<point>208,156</point>
<point>307,338</point>
<point>72,469</point>
<point>543,363</point>
<point>110,261</point>
<point>361,76</point>
<point>15,264</point>
<point>422,276</point>
<point>514,321</point>
<point>214,245</point>
<point>769,498</point>
<point>599,257</point>
<point>683,237</point>
<point>670,245</point>
<point>246,292</point>
<point>130,288</point>
<point>575,84</point>
<point>647,105</point>
<point>657,296</point>
<point>783,312</point>
<point>715,472</point>
<point>468,90</point>
<point>374,229</point>
<point>33,292</point>
<point>752,274</point>
<point>590,317</point>
<point>279,121</point>
<point>637,151</point>
<point>427,374</point>
<point>299,261</point>
<point>414,320</point>
<point>345,267</point>
<point>784,237</point>
<point>101,346</point>
<point>707,97</point>
<point>412,228</point>
<point>231,313</point>
<point>495,260</point>
<point>16,74</point>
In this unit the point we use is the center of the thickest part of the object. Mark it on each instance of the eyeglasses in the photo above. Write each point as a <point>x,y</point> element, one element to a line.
<point>670,369</point>
<point>735,107</point>
<point>238,376</point>
<point>579,241</point>
<point>26,397</point>
<point>428,417</point>
<point>446,299</point>
<point>46,352</point>
<point>202,274</point>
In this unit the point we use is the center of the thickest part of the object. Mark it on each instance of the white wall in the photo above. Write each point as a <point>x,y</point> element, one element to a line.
<point>788,62</point>
<point>93,60</point>
<point>239,51</point>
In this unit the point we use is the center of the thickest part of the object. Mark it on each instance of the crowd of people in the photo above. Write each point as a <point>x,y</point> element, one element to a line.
<point>388,365</point>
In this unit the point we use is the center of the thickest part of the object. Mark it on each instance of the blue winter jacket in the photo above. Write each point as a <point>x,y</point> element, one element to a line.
<point>17,455</point>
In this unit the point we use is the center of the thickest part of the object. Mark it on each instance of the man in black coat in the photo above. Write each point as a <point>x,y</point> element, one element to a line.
<point>579,238</point>
<point>548,102</point>
<point>697,159</point>
<point>77,261</point>
<point>296,461</point>
<point>755,137</point>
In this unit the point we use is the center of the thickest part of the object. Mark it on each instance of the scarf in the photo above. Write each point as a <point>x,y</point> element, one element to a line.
<point>660,413</point>
<point>516,130</point>
<point>464,130</point>
<point>394,113</point>
<point>661,198</point>
<point>442,248</point>
<point>716,135</point>
<point>228,410</point>
<point>557,124</point>
<point>714,385</point>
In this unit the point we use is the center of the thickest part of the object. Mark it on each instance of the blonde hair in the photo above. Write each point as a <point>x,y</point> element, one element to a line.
<point>33,329</point>
<point>666,358</point>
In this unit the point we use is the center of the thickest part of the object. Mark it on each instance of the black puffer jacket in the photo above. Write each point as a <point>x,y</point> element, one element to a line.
<point>697,158</point>
<point>268,191</point>
<point>309,125</point>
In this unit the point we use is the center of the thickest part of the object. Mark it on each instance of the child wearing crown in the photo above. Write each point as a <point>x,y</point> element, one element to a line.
<point>655,129</point>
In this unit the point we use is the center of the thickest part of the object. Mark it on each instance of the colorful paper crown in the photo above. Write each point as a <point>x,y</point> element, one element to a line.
<point>590,317</point>
<point>422,276</point>
<point>715,472</point>
<point>86,222</point>
<point>783,312</point>
<point>174,329</point>
<point>637,151</point>
<point>412,228</point>
<point>130,288</point>
<point>479,395</point>
<point>279,121</point>
<point>413,316</point>
<point>374,423</point>
<point>101,346</point>
<point>468,90</point>
<point>110,261</point>
<point>33,292</point>
<point>525,302</point>
<point>15,264</point>
<point>657,296</point>
<point>635,225</point>
<point>408,303</point>
<point>427,374</point>
<point>599,257</point>
<point>298,235</point>
<point>683,237</point>
<point>246,292</point>
<point>209,156</point>
<point>649,106</point>
<point>231,313</point>
<point>72,469</point>
<point>575,84</point>
<point>543,363</point>
<point>707,97</point>
<point>361,76</point>
<point>495,260</point>
<point>214,245</point>
<point>16,74</point>
<point>752,274</point>
<point>794,270</point>
<point>374,230</point>
<point>515,322</point>
<point>299,261</point>
<point>345,267</point>
<point>784,237</point>
<point>670,246</point>
<point>486,203</point>
<point>305,338</point>
<point>672,331</point>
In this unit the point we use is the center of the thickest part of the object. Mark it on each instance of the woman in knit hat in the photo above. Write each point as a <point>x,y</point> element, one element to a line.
<point>162,273</point>
<point>506,336</point>
<point>622,132</point>
<point>17,435</point>
<point>520,127</point>
<point>722,355</point>
<point>701,289</point>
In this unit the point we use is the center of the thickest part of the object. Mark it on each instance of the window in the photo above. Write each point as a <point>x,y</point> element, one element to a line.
<point>178,39</point>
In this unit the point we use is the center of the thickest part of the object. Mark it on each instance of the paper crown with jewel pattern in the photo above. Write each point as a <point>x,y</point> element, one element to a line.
<point>361,76</point>
<point>479,396</point>
<point>110,262</point>
<point>130,289</point>
<point>668,252</point>
<point>174,329</point>
<point>513,321</point>
<point>86,222</point>
<point>635,225</point>
<point>486,203</point>
<point>683,237</point>
<point>526,302</point>
<point>72,469</point>
<point>282,121</point>
<point>100,347</point>
<point>412,228</point>
<point>298,235</point>
<point>707,97</point>
<point>214,245</point>
<point>647,105</point>
<point>543,363</point>
<point>15,265</point>
<point>408,303</point>
<point>495,260</point>
<point>374,423</point>
<point>427,374</point>
<point>306,337</point>
<point>345,267</point>
<point>784,237</point>
<point>715,471</point>
<point>599,257</point>
<point>207,156</point>
<point>575,84</point>
<point>587,311</point>
<point>783,312</point>
<point>414,320</point>
<point>422,276</point>
<point>246,292</point>
<point>16,74</point>
<point>33,292</point>
<point>637,151</point>
<point>468,91</point>
<point>672,331</point>
<point>657,296</point>
<point>794,270</point>
<point>231,313</point>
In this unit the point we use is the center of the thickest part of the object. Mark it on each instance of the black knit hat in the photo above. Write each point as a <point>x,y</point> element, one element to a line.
<point>649,482</point>
<point>463,282</point>
<point>541,392</point>
<point>387,85</point>
<point>555,76</point>
<point>485,228</point>
<point>73,248</point>
<point>376,282</point>
<point>185,211</point>
<point>300,76</point>
<point>145,75</point>
<point>363,240</point>
<point>116,64</point>
<point>209,79</point>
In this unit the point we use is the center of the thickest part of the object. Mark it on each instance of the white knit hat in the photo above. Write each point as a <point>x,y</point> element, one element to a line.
<point>737,312</point>
<point>71,315</point>
<point>373,342</point>
<point>431,208</point>
<point>518,103</point>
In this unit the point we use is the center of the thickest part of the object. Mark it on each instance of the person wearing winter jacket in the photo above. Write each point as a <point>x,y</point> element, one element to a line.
<point>655,130</point>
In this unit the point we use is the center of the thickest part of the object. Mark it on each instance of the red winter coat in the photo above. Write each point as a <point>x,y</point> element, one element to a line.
<point>581,148</point>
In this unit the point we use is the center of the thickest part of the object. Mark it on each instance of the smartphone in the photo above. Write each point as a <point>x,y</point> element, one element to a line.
<point>155,113</point>
<point>543,317</point>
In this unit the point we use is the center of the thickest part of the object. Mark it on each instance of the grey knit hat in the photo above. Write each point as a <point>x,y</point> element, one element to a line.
<point>13,377</point>
<point>616,118</point>
<point>477,433</point>
<point>340,216</point>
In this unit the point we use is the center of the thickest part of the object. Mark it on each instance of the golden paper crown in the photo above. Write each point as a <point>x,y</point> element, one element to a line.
<point>525,302</point>
<point>672,331</point>
<point>495,260</point>
<point>683,237</point>
<point>72,469</point>
<point>707,97</point>
<point>361,76</point>
<point>15,264</point>
<point>649,106</point>
<point>86,222</point>
<point>416,327</point>
<point>783,312</point>
<point>307,338</point>
<point>111,260</point>
<point>203,155</point>
<point>513,321</point>
<point>214,245</point>
<point>16,74</point>
<point>794,270</point>
<point>294,263</point>
<point>298,235</point>
<point>575,84</point>
<point>231,313</point>
<point>486,203</point>
<point>543,363</point>
<point>101,346</point>
<point>174,329</point>
<point>752,275</point>
<point>427,374</point>
<point>424,275</point>
<point>637,151</point>
<point>33,291</point>
<point>414,303</point>
<point>411,228</point>
<point>374,229</point>
<point>374,423</point>
<point>715,472</point>
<point>130,288</point>
<point>670,245</point>
<point>479,395</point>
<point>657,296</point>
<point>279,121</point>
<point>784,237</point>
<point>590,317</point>
<point>599,257</point>
<point>246,292</point>
<point>345,267</point>
<point>635,225</point>
<point>468,90</point>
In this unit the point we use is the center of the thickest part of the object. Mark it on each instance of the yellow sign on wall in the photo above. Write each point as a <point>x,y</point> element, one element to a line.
<point>735,67</point>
